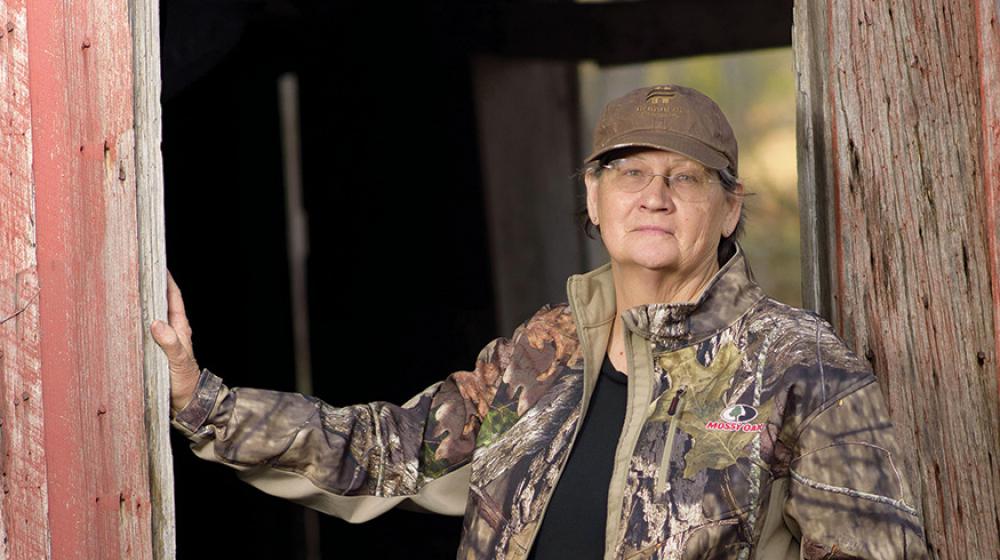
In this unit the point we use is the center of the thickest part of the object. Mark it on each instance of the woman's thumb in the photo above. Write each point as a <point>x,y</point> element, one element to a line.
<point>164,335</point>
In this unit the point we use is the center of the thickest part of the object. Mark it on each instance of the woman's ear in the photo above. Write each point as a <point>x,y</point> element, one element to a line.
<point>735,204</point>
<point>592,182</point>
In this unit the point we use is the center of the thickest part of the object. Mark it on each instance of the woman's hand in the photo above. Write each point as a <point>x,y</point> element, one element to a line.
<point>175,341</point>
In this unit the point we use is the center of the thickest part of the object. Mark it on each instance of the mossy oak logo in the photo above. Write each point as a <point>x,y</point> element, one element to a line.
<point>736,418</point>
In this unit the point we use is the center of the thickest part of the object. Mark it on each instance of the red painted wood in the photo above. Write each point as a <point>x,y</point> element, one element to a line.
<point>91,325</point>
<point>23,519</point>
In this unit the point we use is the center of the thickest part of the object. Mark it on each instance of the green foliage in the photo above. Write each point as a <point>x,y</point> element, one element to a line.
<point>432,467</point>
<point>497,421</point>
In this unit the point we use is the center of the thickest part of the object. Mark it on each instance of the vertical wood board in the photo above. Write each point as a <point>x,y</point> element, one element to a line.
<point>23,514</point>
<point>91,338</point>
<point>145,26</point>
<point>988,33</point>
<point>815,177</point>
<point>526,112</point>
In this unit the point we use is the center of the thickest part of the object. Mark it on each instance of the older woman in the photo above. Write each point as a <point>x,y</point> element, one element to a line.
<point>668,409</point>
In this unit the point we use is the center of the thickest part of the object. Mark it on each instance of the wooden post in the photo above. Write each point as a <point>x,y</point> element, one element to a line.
<point>145,33</point>
<point>899,116</point>
<point>75,465</point>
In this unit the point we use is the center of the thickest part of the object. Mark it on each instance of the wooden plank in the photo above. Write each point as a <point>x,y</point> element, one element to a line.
<point>911,94</point>
<point>817,190</point>
<point>988,32</point>
<point>90,316</point>
<point>526,114</point>
<point>145,31</point>
<point>23,516</point>
<point>619,32</point>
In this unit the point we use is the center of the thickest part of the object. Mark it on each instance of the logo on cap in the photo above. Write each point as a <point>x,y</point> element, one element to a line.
<point>658,98</point>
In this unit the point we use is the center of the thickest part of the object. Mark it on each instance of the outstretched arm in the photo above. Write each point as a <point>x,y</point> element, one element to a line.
<point>354,462</point>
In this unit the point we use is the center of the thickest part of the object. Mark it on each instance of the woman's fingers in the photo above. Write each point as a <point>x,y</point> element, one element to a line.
<point>175,308</point>
<point>174,338</point>
<point>167,338</point>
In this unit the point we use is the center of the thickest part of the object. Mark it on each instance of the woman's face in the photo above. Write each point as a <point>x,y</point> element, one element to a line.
<point>654,230</point>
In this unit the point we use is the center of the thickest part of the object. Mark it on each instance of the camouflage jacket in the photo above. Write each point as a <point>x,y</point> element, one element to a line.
<point>752,431</point>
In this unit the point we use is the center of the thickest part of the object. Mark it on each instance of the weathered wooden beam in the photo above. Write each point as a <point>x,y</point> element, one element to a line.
<point>988,33</point>
<point>24,521</point>
<point>526,112</point>
<point>911,91</point>
<point>91,324</point>
<point>145,33</point>
<point>817,190</point>
<point>618,32</point>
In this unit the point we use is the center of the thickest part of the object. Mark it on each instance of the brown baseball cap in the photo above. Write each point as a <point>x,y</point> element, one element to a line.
<point>668,117</point>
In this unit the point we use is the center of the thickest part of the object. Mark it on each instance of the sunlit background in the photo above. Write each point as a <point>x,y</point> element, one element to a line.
<point>756,90</point>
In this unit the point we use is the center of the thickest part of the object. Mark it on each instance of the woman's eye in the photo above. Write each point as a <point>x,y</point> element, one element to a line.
<point>632,172</point>
<point>685,178</point>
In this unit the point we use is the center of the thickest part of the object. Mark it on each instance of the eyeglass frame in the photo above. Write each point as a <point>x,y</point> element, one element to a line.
<point>668,178</point>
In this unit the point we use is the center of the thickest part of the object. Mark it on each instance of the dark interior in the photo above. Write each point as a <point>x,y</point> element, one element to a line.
<point>399,268</point>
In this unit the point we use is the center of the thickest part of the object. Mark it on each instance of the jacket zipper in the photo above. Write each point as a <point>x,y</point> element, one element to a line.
<point>639,391</point>
<point>673,412</point>
<point>529,542</point>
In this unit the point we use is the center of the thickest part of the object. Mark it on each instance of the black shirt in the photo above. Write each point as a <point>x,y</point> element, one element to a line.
<point>575,521</point>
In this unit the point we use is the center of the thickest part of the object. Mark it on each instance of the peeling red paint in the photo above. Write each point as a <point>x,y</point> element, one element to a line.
<point>88,265</point>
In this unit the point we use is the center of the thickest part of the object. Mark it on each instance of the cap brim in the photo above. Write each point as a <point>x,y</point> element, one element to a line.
<point>658,139</point>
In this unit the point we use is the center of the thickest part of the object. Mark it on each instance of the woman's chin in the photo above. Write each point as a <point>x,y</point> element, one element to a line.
<point>656,261</point>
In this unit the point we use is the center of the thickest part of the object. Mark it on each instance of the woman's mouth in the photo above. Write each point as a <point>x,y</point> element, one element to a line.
<point>653,229</point>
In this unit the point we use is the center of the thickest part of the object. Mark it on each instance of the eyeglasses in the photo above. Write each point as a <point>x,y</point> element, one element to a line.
<point>633,175</point>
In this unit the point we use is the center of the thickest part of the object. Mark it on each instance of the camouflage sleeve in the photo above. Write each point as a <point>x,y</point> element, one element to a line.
<point>848,496</point>
<point>353,462</point>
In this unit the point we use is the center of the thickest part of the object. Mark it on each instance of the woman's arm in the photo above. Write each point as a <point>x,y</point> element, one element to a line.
<point>848,494</point>
<point>354,462</point>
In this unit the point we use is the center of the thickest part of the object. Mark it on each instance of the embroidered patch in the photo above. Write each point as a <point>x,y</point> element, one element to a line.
<point>736,418</point>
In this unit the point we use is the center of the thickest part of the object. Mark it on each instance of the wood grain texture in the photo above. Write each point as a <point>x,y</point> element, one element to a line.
<point>23,514</point>
<point>988,32</point>
<point>526,110</point>
<point>145,26</point>
<point>90,314</point>
<point>815,178</point>
<point>911,90</point>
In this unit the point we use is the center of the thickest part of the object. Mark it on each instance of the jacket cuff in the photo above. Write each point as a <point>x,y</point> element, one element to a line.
<point>190,418</point>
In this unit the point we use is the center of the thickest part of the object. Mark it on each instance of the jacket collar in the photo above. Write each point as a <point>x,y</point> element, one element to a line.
<point>729,294</point>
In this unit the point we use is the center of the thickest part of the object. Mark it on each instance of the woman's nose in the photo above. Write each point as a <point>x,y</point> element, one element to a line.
<point>658,194</point>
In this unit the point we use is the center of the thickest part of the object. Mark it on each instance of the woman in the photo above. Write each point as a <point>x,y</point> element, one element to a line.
<point>668,409</point>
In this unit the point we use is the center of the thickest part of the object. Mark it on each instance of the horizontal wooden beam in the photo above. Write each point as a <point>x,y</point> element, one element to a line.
<point>618,32</point>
